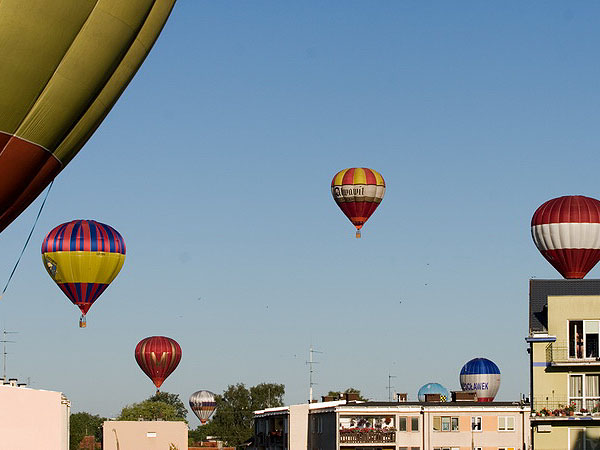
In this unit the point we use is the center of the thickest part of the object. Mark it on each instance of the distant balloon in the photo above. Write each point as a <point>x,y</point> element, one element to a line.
<point>203,404</point>
<point>566,230</point>
<point>158,357</point>
<point>64,65</point>
<point>83,257</point>
<point>434,388</point>
<point>482,376</point>
<point>358,192</point>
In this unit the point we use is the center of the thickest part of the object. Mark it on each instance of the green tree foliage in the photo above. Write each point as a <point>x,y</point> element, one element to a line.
<point>84,424</point>
<point>350,390</point>
<point>171,399</point>
<point>150,410</point>
<point>233,419</point>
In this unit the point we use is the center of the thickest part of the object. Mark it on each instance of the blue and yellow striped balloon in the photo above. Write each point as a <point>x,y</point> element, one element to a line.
<point>83,257</point>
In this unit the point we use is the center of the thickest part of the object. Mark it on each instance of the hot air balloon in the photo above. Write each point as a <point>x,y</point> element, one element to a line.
<point>64,65</point>
<point>358,192</point>
<point>482,376</point>
<point>566,230</point>
<point>158,357</point>
<point>434,388</point>
<point>203,404</point>
<point>83,257</point>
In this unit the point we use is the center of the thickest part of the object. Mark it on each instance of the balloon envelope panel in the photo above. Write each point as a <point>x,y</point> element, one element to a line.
<point>566,231</point>
<point>482,376</point>
<point>65,64</point>
<point>203,404</point>
<point>434,388</point>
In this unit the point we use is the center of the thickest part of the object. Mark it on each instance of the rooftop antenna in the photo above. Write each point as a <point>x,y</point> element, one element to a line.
<point>310,363</point>
<point>4,352</point>
<point>390,386</point>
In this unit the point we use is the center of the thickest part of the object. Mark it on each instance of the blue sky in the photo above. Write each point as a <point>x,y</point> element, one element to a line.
<point>215,166</point>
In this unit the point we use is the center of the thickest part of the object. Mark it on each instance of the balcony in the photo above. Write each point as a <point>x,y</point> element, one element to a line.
<point>560,354</point>
<point>367,436</point>
<point>551,407</point>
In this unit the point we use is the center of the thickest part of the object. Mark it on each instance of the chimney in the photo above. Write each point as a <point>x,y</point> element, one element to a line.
<point>461,396</point>
<point>351,397</point>
<point>327,398</point>
<point>12,381</point>
<point>401,397</point>
<point>433,398</point>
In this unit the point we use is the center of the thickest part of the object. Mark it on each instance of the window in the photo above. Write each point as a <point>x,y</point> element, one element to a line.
<point>584,391</point>
<point>506,448</point>
<point>445,423</point>
<point>414,424</point>
<point>506,423</point>
<point>319,424</point>
<point>454,423</point>
<point>475,423</point>
<point>402,424</point>
<point>415,448</point>
<point>583,338</point>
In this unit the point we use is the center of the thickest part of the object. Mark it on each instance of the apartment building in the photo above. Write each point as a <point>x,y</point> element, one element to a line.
<point>564,329</point>
<point>343,425</point>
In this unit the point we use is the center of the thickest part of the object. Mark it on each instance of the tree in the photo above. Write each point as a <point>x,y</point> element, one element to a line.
<point>171,399</point>
<point>233,419</point>
<point>350,390</point>
<point>84,424</point>
<point>150,410</point>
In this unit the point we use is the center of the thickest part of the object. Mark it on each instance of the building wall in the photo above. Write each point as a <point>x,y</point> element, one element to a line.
<point>323,431</point>
<point>298,427</point>
<point>32,419</point>
<point>551,369</point>
<point>489,436</point>
<point>146,435</point>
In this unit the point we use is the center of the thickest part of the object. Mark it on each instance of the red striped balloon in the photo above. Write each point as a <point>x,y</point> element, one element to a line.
<point>566,230</point>
<point>158,357</point>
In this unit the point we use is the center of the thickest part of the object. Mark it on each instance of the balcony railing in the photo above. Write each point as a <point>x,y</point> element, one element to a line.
<point>362,436</point>
<point>560,406</point>
<point>559,353</point>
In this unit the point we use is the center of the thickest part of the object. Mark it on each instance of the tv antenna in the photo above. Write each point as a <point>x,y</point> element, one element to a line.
<point>4,352</point>
<point>310,363</point>
<point>390,386</point>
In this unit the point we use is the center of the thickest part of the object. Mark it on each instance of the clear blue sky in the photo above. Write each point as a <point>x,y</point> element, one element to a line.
<point>215,166</point>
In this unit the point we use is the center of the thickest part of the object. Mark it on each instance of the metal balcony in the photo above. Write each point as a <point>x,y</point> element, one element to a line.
<point>559,354</point>
<point>367,437</point>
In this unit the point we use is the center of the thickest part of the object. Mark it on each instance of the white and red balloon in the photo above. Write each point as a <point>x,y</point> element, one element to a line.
<point>566,230</point>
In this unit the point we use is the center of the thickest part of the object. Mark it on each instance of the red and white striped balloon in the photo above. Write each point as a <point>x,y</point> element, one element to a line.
<point>566,230</point>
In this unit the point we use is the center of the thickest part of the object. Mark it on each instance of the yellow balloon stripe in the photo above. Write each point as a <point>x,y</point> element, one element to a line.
<point>359,176</point>
<point>83,267</point>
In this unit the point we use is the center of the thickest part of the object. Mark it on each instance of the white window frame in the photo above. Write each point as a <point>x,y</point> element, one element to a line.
<point>584,398</point>
<point>418,424</point>
<point>506,428</point>
<point>480,424</point>
<point>583,340</point>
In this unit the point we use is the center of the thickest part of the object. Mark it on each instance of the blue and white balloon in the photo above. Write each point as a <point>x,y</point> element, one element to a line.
<point>482,376</point>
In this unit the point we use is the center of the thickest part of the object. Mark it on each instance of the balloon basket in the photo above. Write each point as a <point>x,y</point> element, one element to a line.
<point>357,234</point>
<point>82,322</point>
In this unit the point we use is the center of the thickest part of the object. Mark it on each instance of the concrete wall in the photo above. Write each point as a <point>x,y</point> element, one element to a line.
<point>298,427</point>
<point>146,435</point>
<point>32,419</point>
